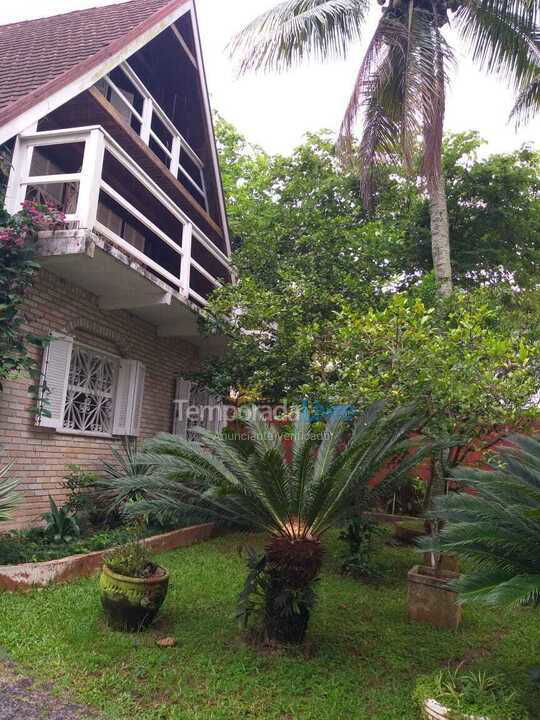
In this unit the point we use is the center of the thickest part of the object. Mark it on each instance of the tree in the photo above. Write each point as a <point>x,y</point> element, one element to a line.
<point>470,363</point>
<point>401,85</point>
<point>305,248</point>
<point>295,500</point>
<point>304,245</point>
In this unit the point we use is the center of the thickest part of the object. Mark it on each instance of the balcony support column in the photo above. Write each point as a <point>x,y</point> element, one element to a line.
<point>185,269</point>
<point>90,184</point>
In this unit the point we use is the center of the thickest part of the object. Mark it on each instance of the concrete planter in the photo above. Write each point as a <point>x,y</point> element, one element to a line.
<point>435,711</point>
<point>447,562</point>
<point>430,600</point>
<point>29,575</point>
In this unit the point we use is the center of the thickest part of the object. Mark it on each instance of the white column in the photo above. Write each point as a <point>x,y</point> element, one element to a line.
<point>89,186</point>
<point>146,126</point>
<point>185,271</point>
<point>14,192</point>
<point>175,159</point>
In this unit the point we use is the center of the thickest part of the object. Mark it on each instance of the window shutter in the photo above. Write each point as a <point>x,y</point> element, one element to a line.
<point>129,398</point>
<point>55,374</point>
<point>181,402</point>
<point>216,421</point>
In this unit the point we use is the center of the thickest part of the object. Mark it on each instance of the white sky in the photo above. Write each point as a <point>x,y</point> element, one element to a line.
<point>275,111</point>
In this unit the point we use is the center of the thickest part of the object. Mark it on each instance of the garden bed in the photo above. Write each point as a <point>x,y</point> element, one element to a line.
<point>361,659</point>
<point>40,574</point>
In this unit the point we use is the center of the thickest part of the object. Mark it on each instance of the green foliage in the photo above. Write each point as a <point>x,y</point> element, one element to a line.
<point>17,269</point>
<point>470,694</point>
<point>299,499</point>
<point>60,525</point>
<point>305,248</point>
<point>34,545</point>
<point>132,559</point>
<point>83,501</point>
<point>456,359</point>
<point>360,536</point>
<point>497,528</point>
<point>9,498</point>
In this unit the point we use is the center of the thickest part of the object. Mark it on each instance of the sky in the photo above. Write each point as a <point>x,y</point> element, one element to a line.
<point>275,111</point>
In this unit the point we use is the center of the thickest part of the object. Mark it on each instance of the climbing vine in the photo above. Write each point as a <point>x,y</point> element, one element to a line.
<point>18,266</point>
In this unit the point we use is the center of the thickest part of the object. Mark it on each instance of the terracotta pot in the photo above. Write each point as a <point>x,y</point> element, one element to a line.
<point>430,600</point>
<point>130,603</point>
<point>435,711</point>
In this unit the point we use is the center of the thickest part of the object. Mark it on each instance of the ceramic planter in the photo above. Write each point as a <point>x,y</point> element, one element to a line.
<point>435,711</point>
<point>430,600</point>
<point>130,604</point>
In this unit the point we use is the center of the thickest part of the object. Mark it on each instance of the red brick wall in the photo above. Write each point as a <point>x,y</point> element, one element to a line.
<point>41,454</point>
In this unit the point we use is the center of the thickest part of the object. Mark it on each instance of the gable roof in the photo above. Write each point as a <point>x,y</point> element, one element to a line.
<point>39,57</point>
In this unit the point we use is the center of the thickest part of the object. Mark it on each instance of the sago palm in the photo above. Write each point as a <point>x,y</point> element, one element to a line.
<point>498,527</point>
<point>293,498</point>
<point>401,84</point>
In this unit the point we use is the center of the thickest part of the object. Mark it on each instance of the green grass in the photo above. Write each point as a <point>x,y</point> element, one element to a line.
<point>362,662</point>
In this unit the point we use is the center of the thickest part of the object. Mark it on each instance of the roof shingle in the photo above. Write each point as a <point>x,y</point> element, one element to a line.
<point>40,54</point>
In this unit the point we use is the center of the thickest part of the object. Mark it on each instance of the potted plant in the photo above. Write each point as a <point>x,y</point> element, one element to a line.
<point>295,495</point>
<point>132,587</point>
<point>455,695</point>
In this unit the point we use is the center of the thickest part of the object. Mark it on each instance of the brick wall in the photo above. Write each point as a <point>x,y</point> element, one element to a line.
<point>41,454</point>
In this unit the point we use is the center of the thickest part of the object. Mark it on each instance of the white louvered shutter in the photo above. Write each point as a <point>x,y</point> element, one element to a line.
<point>129,398</point>
<point>55,374</point>
<point>182,398</point>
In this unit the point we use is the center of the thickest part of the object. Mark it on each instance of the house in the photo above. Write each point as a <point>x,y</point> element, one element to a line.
<point>107,114</point>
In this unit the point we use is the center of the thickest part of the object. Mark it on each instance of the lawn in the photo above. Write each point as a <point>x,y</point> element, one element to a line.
<point>360,662</point>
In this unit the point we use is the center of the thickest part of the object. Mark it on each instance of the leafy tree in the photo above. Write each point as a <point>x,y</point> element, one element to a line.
<point>401,85</point>
<point>467,362</point>
<point>494,211</point>
<point>305,248</point>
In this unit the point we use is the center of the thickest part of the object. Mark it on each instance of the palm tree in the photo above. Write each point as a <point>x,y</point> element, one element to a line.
<point>497,528</point>
<point>294,500</point>
<point>528,101</point>
<point>401,84</point>
<point>8,497</point>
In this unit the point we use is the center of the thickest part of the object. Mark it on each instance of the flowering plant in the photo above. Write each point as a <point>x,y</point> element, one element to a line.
<point>17,270</point>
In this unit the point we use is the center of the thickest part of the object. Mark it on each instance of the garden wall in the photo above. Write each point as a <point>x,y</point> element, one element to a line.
<point>41,454</point>
<point>28,575</point>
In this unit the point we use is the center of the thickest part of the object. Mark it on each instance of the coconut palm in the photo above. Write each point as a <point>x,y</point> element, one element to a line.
<point>498,527</point>
<point>401,84</point>
<point>528,101</point>
<point>294,499</point>
<point>8,495</point>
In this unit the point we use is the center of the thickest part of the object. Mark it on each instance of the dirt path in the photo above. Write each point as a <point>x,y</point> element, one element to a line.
<point>21,699</point>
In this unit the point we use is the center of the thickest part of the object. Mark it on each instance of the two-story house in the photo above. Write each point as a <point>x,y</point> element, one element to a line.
<point>107,114</point>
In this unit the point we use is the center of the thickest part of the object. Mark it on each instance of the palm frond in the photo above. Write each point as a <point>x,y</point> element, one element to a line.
<point>295,29</point>
<point>499,34</point>
<point>527,103</point>
<point>9,498</point>
<point>496,526</point>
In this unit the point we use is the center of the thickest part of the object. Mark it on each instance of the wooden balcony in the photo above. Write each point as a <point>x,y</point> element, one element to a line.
<point>126,240</point>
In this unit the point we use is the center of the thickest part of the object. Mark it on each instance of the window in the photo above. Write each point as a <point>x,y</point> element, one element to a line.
<point>196,407</point>
<point>87,391</point>
<point>91,385</point>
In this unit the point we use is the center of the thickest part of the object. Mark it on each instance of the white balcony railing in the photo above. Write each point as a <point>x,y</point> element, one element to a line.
<point>177,149</point>
<point>87,185</point>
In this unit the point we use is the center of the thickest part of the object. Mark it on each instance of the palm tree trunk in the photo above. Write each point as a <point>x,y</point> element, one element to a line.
<point>440,236</point>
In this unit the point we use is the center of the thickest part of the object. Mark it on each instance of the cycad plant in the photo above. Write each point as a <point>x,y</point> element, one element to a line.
<point>496,526</point>
<point>294,497</point>
<point>400,90</point>
<point>9,498</point>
